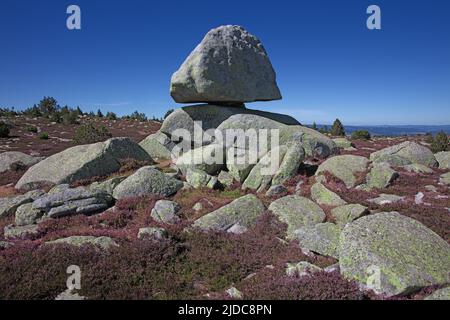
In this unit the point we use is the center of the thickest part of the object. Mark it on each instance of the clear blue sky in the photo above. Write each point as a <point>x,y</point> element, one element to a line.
<point>328,63</point>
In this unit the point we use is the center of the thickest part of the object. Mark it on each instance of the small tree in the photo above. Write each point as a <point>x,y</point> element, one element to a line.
<point>111,116</point>
<point>337,129</point>
<point>440,143</point>
<point>4,130</point>
<point>314,126</point>
<point>47,106</point>
<point>79,111</point>
<point>99,113</point>
<point>324,130</point>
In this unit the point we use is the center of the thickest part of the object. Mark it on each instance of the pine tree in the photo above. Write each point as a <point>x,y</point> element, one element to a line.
<point>337,129</point>
<point>314,126</point>
<point>440,143</point>
<point>99,113</point>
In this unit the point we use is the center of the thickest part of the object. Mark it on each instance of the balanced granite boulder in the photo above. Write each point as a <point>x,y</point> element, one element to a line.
<point>229,66</point>
<point>82,162</point>
<point>405,153</point>
<point>146,181</point>
<point>393,254</point>
<point>11,158</point>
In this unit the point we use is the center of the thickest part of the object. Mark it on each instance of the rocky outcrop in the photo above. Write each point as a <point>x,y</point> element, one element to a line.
<point>393,254</point>
<point>210,159</point>
<point>158,146</point>
<point>405,153</point>
<point>9,205</point>
<point>242,212</point>
<point>145,181</point>
<point>296,212</point>
<point>381,175</point>
<point>82,162</point>
<point>230,66</point>
<point>11,158</point>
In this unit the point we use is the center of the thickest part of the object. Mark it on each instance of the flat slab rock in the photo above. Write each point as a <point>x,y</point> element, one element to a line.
<point>104,243</point>
<point>400,252</point>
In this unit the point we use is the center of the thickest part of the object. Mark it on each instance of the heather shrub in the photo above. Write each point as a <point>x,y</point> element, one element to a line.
<point>43,136</point>
<point>32,129</point>
<point>88,133</point>
<point>69,117</point>
<point>440,143</point>
<point>4,130</point>
<point>361,135</point>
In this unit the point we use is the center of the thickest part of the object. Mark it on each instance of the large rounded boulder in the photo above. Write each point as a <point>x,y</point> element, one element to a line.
<point>405,153</point>
<point>230,65</point>
<point>82,162</point>
<point>393,254</point>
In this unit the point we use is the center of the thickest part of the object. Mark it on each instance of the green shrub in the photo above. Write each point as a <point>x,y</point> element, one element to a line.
<point>337,129</point>
<point>440,143</point>
<point>88,133</point>
<point>48,106</point>
<point>43,136</point>
<point>70,117</point>
<point>4,130</point>
<point>361,135</point>
<point>324,130</point>
<point>32,129</point>
<point>111,116</point>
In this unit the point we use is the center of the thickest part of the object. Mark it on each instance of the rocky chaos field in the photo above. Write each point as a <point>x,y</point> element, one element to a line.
<point>341,217</point>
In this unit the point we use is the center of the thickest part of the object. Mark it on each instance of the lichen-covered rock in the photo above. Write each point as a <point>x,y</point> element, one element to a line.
<point>104,243</point>
<point>147,180</point>
<point>343,143</point>
<point>20,232</point>
<point>443,158</point>
<point>166,211</point>
<point>345,168</point>
<point>276,190</point>
<point>26,214</point>
<point>107,186</point>
<point>381,175</point>
<point>301,269</point>
<point>440,294</point>
<point>417,168</point>
<point>225,178</point>
<point>243,211</point>
<point>152,233</point>
<point>445,178</point>
<point>210,158</point>
<point>393,254</point>
<point>323,196</point>
<point>8,159</point>
<point>9,205</point>
<point>82,162</point>
<point>348,213</point>
<point>296,212</point>
<point>294,156</point>
<point>197,178</point>
<point>240,162</point>
<point>405,153</point>
<point>158,145</point>
<point>234,293</point>
<point>261,175</point>
<point>313,142</point>
<point>230,65</point>
<point>386,199</point>
<point>322,238</point>
<point>64,201</point>
<point>205,117</point>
